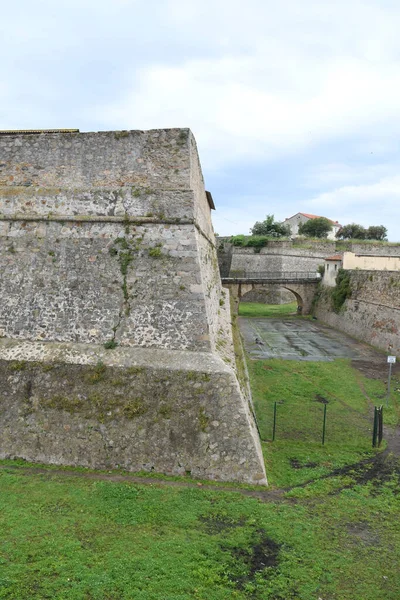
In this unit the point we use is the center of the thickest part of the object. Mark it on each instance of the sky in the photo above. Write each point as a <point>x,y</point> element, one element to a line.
<point>295,105</point>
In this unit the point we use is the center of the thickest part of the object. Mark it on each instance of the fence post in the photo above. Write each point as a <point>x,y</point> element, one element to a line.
<point>274,426</point>
<point>375,428</point>
<point>380,426</point>
<point>324,426</point>
<point>388,385</point>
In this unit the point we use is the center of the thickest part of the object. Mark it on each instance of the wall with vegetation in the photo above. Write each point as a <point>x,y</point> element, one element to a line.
<point>106,245</point>
<point>137,409</point>
<point>366,305</point>
<point>275,260</point>
<point>284,255</point>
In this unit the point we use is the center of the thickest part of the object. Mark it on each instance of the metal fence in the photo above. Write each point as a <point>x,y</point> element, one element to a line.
<point>320,421</point>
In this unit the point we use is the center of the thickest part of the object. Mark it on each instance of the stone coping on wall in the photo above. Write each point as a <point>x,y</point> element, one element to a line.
<point>123,357</point>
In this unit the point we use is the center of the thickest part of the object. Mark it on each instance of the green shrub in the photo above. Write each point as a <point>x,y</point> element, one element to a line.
<point>110,345</point>
<point>257,241</point>
<point>342,291</point>
<point>238,240</point>
<point>252,241</point>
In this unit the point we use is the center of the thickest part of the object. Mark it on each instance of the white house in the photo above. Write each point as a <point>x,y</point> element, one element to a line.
<point>300,218</point>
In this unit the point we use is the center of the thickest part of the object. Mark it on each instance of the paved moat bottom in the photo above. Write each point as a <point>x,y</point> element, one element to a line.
<point>299,339</point>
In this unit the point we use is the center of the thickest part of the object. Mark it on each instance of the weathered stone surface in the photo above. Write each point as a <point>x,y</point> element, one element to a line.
<point>371,313</point>
<point>284,256</point>
<point>269,294</point>
<point>139,409</point>
<point>303,290</point>
<point>106,238</point>
<point>275,260</point>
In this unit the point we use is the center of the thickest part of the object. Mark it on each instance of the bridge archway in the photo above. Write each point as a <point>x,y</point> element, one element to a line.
<point>267,294</point>
<point>303,291</point>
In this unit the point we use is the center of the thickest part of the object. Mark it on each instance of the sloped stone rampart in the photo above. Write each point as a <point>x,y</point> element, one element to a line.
<point>139,409</point>
<point>106,240</point>
<point>281,256</point>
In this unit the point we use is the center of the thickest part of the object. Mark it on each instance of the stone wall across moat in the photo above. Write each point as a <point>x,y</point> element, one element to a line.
<point>372,311</point>
<point>106,242</point>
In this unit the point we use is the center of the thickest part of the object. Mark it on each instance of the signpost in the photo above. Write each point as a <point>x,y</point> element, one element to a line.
<point>391,360</point>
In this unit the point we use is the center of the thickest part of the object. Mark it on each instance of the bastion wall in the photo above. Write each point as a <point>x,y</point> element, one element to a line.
<point>115,336</point>
<point>371,313</point>
<point>276,257</point>
<point>299,255</point>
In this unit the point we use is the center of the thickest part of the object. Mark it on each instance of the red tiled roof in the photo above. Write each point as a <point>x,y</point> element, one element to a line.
<point>334,257</point>
<point>311,216</point>
<point>317,217</point>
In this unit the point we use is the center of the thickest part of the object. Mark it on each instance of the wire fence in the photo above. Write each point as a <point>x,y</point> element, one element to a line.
<point>320,421</point>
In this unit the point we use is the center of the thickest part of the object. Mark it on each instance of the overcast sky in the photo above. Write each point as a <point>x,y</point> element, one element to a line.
<point>295,105</point>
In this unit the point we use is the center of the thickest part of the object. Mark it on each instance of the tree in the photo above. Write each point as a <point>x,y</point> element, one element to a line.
<point>319,227</point>
<point>270,227</point>
<point>352,232</point>
<point>377,232</point>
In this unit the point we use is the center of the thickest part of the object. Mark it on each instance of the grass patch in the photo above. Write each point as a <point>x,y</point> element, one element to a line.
<point>331,532</point>
<point>83,539</point>
<point>301,389</point>
<point>255,309</point>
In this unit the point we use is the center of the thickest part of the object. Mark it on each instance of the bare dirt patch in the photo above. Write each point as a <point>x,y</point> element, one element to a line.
<point>376,368</point>
<point>261,554</point>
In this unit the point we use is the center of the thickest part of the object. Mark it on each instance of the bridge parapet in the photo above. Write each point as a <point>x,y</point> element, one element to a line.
<point>271,276</point>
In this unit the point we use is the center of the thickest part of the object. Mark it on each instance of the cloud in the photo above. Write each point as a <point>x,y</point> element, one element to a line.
<point>332,175</point>
<point>295,105</point>
<point>368,204</point>
<point>239,112</point>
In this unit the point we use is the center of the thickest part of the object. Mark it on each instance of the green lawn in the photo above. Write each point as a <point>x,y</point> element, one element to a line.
<point>254,309</point>
<point>80,539</point>
<point>300,390</point>
<point>329,529</point>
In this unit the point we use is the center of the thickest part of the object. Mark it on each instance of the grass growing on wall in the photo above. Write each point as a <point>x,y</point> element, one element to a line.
<point>255,241</point>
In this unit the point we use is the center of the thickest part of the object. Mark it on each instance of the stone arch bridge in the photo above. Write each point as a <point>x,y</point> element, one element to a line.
<point>302,284</point>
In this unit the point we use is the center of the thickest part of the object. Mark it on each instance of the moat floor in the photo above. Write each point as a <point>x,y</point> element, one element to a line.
<point>295,338</point>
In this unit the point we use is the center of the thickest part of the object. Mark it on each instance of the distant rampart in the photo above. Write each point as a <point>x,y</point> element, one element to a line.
<point>371,311</point>
<point>298,255</point>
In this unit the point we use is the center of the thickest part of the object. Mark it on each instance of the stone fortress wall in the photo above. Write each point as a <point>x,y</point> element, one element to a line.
<point>106,242</point>
<point>276,257</point>
<point>298,255</point>
<point>371,313</point>
<point>273,259</point>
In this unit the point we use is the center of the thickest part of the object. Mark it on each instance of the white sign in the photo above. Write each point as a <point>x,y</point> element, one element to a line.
<point>391,359</point>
